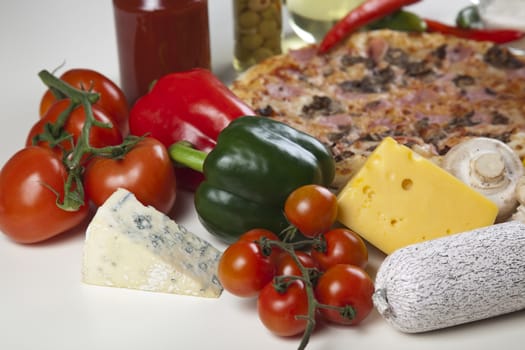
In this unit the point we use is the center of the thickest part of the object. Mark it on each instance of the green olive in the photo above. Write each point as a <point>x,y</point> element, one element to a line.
<point>242,53</point>
<point>259,5</point>
<point>257,31</point>
<point>239,6</point>
<point>273,44</point>
<point>271,13</point>
<point>251,41</point>
<point>262,53</point>
<point>249,19</point>
<point>243,65</point>
<point>244,31</point>
<point>238,3</point>
<point>269,28</point>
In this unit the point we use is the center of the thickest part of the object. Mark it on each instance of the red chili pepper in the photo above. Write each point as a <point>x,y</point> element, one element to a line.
<point>498,36</point>
<point>365,13</point>
<point>191,106</point>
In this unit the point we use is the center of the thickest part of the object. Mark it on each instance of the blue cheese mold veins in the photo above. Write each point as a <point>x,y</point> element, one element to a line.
<point>129,245</point>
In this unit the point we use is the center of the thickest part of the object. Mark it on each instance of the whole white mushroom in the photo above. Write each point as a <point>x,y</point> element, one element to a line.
<point>490,167</point>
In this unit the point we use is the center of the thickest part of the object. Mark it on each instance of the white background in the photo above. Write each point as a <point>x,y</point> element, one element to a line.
<point>44,305</point>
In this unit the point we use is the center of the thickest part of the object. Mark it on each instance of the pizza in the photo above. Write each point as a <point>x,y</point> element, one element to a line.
<point>426,90</point>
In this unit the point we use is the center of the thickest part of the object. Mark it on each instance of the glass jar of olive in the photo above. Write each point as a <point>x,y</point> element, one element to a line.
<point>258,27</point>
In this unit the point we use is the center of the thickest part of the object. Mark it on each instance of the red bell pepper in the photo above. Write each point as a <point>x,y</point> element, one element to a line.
<point>498,36</point>
<point>362,15</point>
<point>191,106</point>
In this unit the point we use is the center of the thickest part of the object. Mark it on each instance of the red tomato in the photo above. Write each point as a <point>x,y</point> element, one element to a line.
<point>244,270</point>
<point>312,209</point>
<point>98,136</point>
<point>256,234</point>
<point>279,311</point>
<point>112,99</point>
<point>343,285</point>
<point>341,246</point>
<point>146,171</point>
<point>28,210</point>
<point>287,265</point>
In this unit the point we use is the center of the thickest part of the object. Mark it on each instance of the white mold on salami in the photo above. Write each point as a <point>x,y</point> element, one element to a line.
<point>453,280</point>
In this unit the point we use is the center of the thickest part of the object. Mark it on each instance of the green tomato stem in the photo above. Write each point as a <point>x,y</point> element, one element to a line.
<point>76,95</point>
<point>55,133</point>
<point>308,276</point>
<point>312,302</point>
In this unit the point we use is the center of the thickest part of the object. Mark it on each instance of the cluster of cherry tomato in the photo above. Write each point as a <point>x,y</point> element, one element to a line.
<point>82,131</point>
<point>297,282</point>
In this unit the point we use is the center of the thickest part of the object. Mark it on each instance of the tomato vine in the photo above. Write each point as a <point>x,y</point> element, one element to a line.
<point>54,134</point>
<point>320,274</point>
<point>308,277</point>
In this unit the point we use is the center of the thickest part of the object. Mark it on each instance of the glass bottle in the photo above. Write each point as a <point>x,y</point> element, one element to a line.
<point>312,19</point>
<point>257,31</point>
<point>157,37</point>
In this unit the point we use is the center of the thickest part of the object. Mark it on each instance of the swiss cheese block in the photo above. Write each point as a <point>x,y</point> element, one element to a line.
<point>398,198</point>
<point>129,245</point>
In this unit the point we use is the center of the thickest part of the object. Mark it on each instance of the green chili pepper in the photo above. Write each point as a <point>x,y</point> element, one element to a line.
<point>255,165</point>
<point>402,21</point>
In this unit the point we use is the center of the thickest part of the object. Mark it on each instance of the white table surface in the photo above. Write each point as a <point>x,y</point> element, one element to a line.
<point>44,305</point>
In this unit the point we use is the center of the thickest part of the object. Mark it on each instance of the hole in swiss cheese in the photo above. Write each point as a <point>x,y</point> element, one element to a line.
<point>407,184</point>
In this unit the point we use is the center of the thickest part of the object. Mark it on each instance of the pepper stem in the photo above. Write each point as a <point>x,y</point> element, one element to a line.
<point>184,153</point>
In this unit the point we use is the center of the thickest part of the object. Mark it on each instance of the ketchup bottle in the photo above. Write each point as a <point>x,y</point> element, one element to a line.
<point>157,37</point>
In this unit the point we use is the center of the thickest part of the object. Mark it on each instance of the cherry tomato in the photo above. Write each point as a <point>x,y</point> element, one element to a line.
<point>288,267</point>
<point>256,234</point>
<point>244,270</point>
<point>341,246</point>
<point>146,171</point>
<point>28,210</point>
<point>312,209</point>
<point>343,285</point>
<point>98,136</point>
<point>112,99</point>
<point>279,311</point>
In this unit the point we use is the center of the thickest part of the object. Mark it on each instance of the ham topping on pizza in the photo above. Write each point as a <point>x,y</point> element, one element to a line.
<point>426,90</point>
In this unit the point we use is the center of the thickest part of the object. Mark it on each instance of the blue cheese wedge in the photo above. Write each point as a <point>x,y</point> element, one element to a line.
<point>129,245</point>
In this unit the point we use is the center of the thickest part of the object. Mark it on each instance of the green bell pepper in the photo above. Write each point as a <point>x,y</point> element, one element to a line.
<point>255,165</point>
